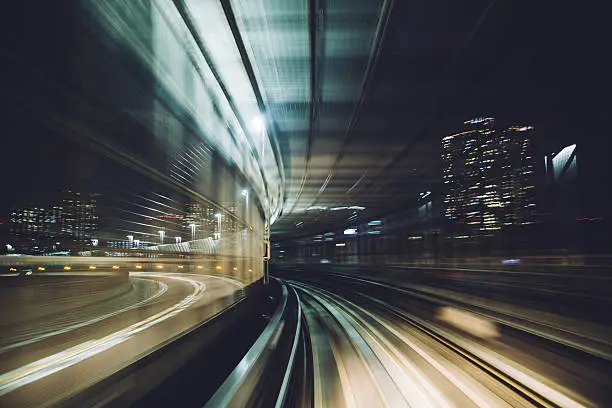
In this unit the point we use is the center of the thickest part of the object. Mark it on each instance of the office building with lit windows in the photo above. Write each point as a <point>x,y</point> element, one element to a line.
<point>34,229</point>
<point>39,229</point>
<point>79,218</point>
<point>488,178</point>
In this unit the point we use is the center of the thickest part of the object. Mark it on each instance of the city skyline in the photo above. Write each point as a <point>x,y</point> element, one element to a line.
<point>72,221</point>
<point>61,224</point>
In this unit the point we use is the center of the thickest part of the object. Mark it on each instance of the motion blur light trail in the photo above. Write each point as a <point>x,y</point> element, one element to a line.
<point>44,367</point>
<point>162,288</point>
<point>367,352</point>
<point>47,366</point>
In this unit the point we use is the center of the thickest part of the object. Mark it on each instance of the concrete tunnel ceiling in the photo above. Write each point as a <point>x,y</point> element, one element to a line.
<point>357,94</point>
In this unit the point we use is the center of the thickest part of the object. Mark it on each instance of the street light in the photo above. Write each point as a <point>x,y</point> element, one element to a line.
<point>161,236</point>
<point>193,227</point>
<point>245,194</point>
<point>218,215</point>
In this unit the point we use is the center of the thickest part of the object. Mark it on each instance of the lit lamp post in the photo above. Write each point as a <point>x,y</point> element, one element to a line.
<point>218,215</point>
<point>162,233</point>
<point>245,194</point>
<point>193,227</point>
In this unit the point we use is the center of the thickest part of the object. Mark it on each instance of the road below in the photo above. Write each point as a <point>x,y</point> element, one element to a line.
<point>45,361</point>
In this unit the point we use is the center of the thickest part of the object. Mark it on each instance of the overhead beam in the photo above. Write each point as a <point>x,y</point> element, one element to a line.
<point>381,29</point>
<point>316,31</point>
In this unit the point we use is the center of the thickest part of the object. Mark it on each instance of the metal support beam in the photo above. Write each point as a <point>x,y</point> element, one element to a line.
<point>316,31</point>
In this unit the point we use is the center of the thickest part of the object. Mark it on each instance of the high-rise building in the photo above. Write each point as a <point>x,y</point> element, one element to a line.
<point>34,229</point>
<point>36,220</point>
<point>562,201</point>
<point>488,177</point>
<point>79,218</point>
<point>519,176</point>
<point>561,166</point>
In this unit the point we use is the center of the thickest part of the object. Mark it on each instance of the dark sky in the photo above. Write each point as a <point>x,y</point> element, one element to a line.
<point>521,61</point>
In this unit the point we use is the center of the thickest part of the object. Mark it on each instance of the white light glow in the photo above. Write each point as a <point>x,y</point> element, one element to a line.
<point>257,124</point>
<point>316,207</point>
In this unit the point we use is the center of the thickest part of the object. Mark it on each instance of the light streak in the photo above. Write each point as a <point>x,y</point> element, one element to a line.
<point>44,367</point>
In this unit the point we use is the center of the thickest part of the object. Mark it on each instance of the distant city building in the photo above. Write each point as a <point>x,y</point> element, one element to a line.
<point>38,229</point>
<point>36,220</point>
<point>488,177</point>
<point>200,220</point>
<point>33,229</point>
<point>228,222</point>
<point>79,218</point>
<point>519,176</point>
<point>561,166</point>
<point>562,201</point>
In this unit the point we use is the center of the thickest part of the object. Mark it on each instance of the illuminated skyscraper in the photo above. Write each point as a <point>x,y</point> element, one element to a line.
<point>518,176</point>
<point>79,218</point>
<point>32,229</point>
<point>488,177</point>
